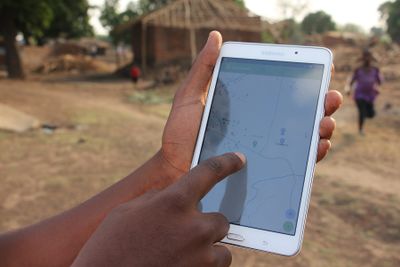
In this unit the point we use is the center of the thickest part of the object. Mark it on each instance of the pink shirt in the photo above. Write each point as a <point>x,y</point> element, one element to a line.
<point>367,83</point>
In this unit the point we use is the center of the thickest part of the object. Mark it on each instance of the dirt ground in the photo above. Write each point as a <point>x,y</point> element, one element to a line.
<point>105,130</point>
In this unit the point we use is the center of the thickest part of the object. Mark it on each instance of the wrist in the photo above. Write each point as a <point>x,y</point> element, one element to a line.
<point>166,169</point>
<point>156,174</point>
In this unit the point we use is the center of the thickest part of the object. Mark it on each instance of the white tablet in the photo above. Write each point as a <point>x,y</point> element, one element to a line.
<point>265,101</point>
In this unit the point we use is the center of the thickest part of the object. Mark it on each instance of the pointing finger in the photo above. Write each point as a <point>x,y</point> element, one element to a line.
<point>196,184</point>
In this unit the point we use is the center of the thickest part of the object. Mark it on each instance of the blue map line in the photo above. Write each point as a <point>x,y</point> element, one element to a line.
<point>233,142</point>
<point>268,158</point>
<point>270,179</point>
<point>255,152</point>
<point>269,132</point>
<point>273,118</point>
<point>254,188</point>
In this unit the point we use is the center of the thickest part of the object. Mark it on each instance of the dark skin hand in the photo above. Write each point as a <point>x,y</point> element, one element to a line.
<point>180,133</point>
<point>58,240</point>
<point>165,228</point>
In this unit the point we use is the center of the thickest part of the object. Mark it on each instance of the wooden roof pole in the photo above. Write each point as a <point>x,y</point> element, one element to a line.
<point>192,31</point>
<point>144,47</point>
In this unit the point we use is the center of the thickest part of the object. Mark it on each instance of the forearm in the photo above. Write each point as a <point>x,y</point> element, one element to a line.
<point>57,240</point>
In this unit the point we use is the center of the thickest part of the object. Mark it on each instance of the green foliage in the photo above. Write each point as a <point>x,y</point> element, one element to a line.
<point>267,37</point>
<point>147,6</point>
<point>240,3</point>
<point>40,19</point>
<point>291,32</point>
<point>110,18</point>
<point>32,16</point>
<point>49,18</point>
<point>318,22</point>
<point>71,19</point>
<point>384,9</point>
<point>393,20</point>
<point>377,32</point>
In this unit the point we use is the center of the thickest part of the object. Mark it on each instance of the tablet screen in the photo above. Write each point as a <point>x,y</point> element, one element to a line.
<point>266,110</point>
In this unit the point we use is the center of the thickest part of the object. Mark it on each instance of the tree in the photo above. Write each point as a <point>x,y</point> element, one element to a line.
<point>39,19</point>
<point>292,9</point>
<point>291,32</point>
<point>318,22</point>
<point>71,19</point>
<point>393,20</point>
<point>384,10</point>
<point>377,32</point>
<point>111,17</point>
<point>21,15</point>
<point>147,6</point>
<point>240,3</point>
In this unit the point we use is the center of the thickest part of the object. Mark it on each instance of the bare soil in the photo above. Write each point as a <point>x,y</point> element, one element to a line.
<point>105,130</point>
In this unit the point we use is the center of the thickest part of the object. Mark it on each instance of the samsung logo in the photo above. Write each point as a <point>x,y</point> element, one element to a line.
<point>271,53</point>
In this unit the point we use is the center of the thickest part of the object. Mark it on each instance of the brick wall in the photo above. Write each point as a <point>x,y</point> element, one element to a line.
<point>172,45</point>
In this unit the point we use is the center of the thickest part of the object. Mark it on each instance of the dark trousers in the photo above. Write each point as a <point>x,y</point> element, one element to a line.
<point>365,110</point>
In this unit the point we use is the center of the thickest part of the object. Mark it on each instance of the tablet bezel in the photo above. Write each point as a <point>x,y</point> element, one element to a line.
<point>265,240</point>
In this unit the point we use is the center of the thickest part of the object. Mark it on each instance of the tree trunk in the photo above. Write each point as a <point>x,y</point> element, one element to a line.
<point>12,58</point>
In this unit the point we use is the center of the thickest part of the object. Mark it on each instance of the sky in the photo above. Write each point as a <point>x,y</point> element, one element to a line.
<point>362,12</point>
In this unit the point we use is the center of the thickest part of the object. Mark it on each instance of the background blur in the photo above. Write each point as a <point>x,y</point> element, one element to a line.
<point>72,122</point>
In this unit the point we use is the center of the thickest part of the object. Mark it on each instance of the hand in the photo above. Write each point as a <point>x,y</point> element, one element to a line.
<point>183,124</point>
<point>333,101</point>
<point>165,228</point>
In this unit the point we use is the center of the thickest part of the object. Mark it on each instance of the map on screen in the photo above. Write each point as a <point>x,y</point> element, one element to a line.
<point>266,110</point>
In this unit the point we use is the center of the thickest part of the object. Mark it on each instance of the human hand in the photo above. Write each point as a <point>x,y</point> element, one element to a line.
<point>183,124</point>
<point>165,228</point>
<point>333,101</point>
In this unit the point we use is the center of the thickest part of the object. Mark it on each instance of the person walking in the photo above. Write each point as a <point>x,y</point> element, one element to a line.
<point>365,80</point>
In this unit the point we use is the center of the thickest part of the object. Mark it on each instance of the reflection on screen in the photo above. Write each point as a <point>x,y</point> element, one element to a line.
<point>264,109</point>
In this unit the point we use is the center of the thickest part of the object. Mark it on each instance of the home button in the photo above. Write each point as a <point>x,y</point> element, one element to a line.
<point>235,237</point>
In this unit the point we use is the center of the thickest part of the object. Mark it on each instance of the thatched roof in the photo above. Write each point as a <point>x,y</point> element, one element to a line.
<point>197,14</point>
<point>193,15</point>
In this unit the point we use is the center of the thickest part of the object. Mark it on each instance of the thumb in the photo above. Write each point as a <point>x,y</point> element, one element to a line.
<point>199,76</point>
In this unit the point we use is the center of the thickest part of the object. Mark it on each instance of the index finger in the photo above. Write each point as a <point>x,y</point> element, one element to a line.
<point>199,181</point>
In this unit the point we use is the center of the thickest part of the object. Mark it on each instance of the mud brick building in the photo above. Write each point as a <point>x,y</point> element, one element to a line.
<point>175,33</point>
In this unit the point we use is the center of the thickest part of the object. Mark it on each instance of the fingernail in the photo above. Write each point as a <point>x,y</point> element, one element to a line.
<point>241,156</point>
